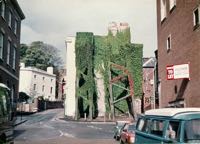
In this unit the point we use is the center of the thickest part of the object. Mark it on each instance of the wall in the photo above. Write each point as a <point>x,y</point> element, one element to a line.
<point>70,77</point>
<point>28,79</point>
<point>185,44</point>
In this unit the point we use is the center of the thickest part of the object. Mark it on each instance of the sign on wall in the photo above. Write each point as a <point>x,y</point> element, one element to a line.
<point>178,71</point>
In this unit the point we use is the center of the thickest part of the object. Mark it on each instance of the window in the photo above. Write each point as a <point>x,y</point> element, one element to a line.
<point>14,58</point>
<point>35,76</point>
<point>8,52</point>
<point>1,45</point>
<point>172,4</point>
<point>168,42</point>
<point>34,87</point>
<point>163,9</point>
<point>15,26</point>
<point>173,131</point>
<point>12,94</point>
<point>143,125</point>
<point>43,78</point>
<point>192,131</point>
<point>43,88</point>
<point>196,17</point>
<point>9,18</point>
<point>51,90</point>
<point>157,127</point>
<point>2,8</point>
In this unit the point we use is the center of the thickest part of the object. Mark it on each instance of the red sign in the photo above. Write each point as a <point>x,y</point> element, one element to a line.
<point>170,72</point>
<point>177,71</point>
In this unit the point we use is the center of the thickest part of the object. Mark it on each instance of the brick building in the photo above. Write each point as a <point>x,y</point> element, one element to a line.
<point>178,23</point>
<point>148,83</point>
<point>11,16</point>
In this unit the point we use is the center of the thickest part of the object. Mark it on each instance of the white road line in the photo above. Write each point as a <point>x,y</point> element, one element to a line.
<point>48,126</point>
<point>66,134</point>
<point>94,127</point>
<point>61,133</point>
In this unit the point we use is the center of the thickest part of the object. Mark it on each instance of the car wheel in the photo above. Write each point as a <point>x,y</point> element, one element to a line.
<point>117,138</point>
<point>121,142</point>
<point>114,137</point>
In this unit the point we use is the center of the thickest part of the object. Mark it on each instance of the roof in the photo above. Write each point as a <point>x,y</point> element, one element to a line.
<point>149,62</point>
<point>171,111</point>
<point>34,69</point>
<point>18,9</point>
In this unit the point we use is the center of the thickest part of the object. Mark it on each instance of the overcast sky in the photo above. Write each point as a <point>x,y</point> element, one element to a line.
<point>52,21</point>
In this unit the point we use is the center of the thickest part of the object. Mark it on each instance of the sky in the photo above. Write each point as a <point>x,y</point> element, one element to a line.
<point>52,21</point>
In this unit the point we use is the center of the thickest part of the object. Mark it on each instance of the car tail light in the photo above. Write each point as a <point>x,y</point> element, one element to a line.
<point>131,138</point>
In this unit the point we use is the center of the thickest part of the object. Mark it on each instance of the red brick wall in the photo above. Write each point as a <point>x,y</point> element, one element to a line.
<point>185,47</point>
<point>148,88</point>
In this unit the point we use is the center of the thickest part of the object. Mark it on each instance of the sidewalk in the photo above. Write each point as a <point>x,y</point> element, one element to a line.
<point>20,120</point>
<point>98,120</point>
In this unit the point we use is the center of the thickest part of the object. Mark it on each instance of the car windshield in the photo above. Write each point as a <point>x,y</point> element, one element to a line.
<point>120,124</point>
<point>131,127</point>
<point>192,130</point>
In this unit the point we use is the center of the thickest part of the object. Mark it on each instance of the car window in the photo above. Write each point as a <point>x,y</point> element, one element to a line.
<point>125,127</point>
<point>173,130</point>
<point>192,131</point>
<point>143,125</point>
<point>157,127</point>
<point>131,127</point>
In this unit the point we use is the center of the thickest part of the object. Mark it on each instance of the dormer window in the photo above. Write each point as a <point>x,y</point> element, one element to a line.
<point>172,4</point>
<point>163,9</point>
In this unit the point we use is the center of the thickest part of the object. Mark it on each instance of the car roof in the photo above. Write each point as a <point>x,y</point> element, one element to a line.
<point>3,86</point>
<point>171,112</point>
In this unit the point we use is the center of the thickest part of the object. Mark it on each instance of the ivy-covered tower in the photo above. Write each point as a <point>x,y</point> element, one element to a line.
<point>94,56</point>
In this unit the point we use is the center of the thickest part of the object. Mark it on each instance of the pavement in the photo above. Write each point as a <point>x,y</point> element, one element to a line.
<point>69,140</point>
<point>20,120</point>
<point>60,116</point>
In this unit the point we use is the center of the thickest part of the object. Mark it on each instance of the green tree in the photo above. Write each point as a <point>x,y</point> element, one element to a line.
<point>40,55</point>
<point>23,49</point>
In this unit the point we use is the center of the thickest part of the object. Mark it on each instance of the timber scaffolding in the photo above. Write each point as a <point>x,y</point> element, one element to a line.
<point>130,91</point>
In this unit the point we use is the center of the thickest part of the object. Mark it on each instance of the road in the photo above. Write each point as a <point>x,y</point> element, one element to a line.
<point>47,127</point>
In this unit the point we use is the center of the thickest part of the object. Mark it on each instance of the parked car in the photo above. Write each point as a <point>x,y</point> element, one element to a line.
<point>128,134</point>
<point>169,125</point>
<point>117,129</point>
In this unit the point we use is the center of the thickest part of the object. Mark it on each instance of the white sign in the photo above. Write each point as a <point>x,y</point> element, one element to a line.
<point>178,71</point>
<point>181,71</point>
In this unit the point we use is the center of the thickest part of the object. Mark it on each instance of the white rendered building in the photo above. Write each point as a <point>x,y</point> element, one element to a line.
<point>36,82</point>
<point>70,101</point>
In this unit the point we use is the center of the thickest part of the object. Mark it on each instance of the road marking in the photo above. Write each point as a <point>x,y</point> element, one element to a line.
<point>94,127</point>
<point>48,126</point>
<point>61,133</point>
<point>66,134</point>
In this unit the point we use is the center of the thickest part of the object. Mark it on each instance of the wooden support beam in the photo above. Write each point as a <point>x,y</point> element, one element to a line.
<point>120,87</point>
<point>121,98</point>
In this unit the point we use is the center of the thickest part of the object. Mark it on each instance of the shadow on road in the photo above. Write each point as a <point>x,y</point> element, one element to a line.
<point>17,133</point>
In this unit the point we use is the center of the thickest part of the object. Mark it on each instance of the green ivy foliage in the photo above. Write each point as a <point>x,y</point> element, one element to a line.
<point>134,65</point>
<point>95,53</point>
<point>84,49</point>
<point>118,49</point>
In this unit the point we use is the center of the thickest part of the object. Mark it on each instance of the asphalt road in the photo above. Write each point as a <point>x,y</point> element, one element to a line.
<point>47,127</point>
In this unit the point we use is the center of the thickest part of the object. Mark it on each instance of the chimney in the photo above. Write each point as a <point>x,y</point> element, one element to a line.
<point>22,65</point>
<point>50,70</point>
